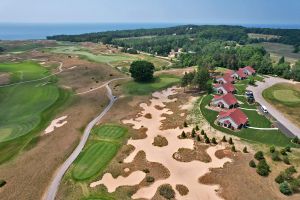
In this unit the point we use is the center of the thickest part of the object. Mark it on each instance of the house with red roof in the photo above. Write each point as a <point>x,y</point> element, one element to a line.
<point>248,70</point>
<point>239,75</point>
<point>226,78</point>
<point>225,101</point>
<point>233,119</point>
<point>224,88</point>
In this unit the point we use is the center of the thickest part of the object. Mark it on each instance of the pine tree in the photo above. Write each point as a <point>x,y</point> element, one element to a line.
<point>252,164</point>
<point>214,141</point>
<point>197,128</point>
<point>245,150</point>
<point>224,139</point>
<point>230,141</point>
<point>207,140</point>
<point>185,124</point>
<point>202,132</point>
<point>233,149</point>
<point>272,149</point>
<point>193,133</point>
<point>198,138</point>
<point>183,134</point>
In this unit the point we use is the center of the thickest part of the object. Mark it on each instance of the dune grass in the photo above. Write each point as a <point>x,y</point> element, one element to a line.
<point>268,137</point>
<point>160,82</point>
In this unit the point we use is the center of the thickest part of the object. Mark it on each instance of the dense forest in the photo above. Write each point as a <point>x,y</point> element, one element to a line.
<point>209,46</point>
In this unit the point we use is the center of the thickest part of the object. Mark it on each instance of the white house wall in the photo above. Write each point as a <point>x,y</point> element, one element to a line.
<point>222,120</point>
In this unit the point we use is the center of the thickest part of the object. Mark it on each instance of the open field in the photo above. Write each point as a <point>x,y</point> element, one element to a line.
<point>269,137</point>
<point>286,98</point>
<point>277,50</point>
<point>262,36</point>
<point>161,82</point>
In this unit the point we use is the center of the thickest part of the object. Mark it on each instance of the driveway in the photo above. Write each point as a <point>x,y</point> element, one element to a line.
<point>285,124</point>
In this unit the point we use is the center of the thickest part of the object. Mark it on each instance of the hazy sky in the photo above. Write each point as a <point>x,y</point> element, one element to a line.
<point>170,11</point>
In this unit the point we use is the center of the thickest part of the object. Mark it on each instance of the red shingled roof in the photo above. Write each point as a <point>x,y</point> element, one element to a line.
<point>236,115</point>
<point>250,69</point>
<point>241,73</point>
<point>227,86</point>
<point>228,98</point>
<point>226,77</point>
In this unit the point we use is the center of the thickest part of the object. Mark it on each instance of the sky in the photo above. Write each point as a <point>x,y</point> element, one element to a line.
<point>151,11</point>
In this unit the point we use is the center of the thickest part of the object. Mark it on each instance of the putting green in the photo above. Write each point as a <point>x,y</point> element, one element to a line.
<point>94,159</point>
<point>289,96</point>
<point>110,131</point>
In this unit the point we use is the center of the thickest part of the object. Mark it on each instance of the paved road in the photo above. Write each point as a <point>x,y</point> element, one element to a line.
<point>52,190</point>
<point>284,123</point>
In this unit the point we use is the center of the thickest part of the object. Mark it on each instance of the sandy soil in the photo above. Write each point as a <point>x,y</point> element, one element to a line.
<point>185,173</point>
<point>56,123</point>
<point>4,78</point>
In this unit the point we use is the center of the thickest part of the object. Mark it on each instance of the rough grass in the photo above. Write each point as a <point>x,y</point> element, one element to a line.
<point>286,98</point>
<point>161,82</point>
<point>269,137</point>
<point>94,159</point>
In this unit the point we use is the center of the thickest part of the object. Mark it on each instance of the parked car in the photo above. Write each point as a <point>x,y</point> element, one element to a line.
<point>249,93</point>
<point>264,109</point>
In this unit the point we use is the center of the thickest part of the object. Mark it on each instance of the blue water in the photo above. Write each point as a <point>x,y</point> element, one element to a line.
<point>17,31</point>
<point>41,31</point>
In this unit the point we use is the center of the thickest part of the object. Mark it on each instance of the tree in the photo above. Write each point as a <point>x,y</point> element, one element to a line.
<point>281,60</point>
<point>183,134</point>
<point>201,78</point>
<point>295,139</point>
<point>185,124</point>
<point>259,155</point>
<point>207,140</point>
<point>263,168</point>
<point>197,128</point>
<point>283,152</point>
<point>272,149</point>
<point>142,71</point>
<point>2,50</point>
<point>198,138</point>
<point>2,183</point>
<point>288,149</point>
<point>224,139</point>
<point>251,81</point>
<point>214,141</point>
<point>280,178</point>
<point>184,81</point>
<point>245,150</point>
<point>275,156</point>
<point>285,188</point>
<point>233,149</point>
<point>202,132</point>
<point>230,141</point>
<point>252,164</point>
<point>193,133</point>
<point>286,160</point>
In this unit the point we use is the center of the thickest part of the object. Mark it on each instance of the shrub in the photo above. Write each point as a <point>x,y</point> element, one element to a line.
<point>295,140</point>
<point>150,179</point>
<point>263,168</point>
<point>193,133</point>
<point>214,141</point>
<point>291,170</point>
<point>207,140</point>
<point>197,128</point>
<point>286,160</point>
<point>245,150</point>
<point>224,139</point>
<point>202,132</point>
<point>272,149</point>
<point>183,134</point>
<point>294,185</point>
<point>252,164</point>
<point>185,124</point>
<point>259,155</point>
<point>2,183</point>
<point>283,152</point>
<point>285,188</point>
<point>275,156</point>
<point>280,178</point>
<point>167,191</point>
<point>146,171</point>
<point>230,141</point>
<point>233,149</point>
<point>288,149</point>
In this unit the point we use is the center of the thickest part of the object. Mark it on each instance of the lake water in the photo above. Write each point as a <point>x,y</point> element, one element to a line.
<point>15,31</point>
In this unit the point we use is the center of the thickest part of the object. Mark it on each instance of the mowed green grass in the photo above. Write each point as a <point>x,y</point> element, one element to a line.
<point>268,137</point>
<point>160,82</point>
<point>286,98</point>
<point>94,159</point>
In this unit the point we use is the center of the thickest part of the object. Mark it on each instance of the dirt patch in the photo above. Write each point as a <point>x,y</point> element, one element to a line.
<point>4,78</point>
<point>160,141</point>
<point>198,153</point>
<point>183,190</point>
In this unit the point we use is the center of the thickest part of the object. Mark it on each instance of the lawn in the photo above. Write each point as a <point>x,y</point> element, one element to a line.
<point>26,108</point>
<point>104,144</point>
<point>269,137</point>
<point>245,104</point>
<point>161,82</point>
<point>286,98</point>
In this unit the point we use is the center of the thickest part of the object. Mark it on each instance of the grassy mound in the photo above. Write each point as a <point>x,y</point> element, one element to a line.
<point>162,82</point>
<point>287,96</point>
<point>110,131</point>
<point>94,159</point>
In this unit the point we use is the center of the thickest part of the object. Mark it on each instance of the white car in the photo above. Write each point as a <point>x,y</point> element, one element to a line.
<point>264,109</point>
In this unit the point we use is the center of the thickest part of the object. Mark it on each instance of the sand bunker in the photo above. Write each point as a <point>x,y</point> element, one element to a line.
<point>59,122</point>
<point>184,173</point>
<point>133,179</point>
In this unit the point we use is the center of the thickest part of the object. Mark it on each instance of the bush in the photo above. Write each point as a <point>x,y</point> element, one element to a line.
<point>280,178</point>
<point>197,128</point>
<point>294,185</point>
<point>233,149</point>
<point>245,150</point>
<point>252,164</point>
<point>202,132</point>
<point>193,133</point>
<point>285,188</point>
<point>263,168</point>
<point>207,140</point>
<point>185,124</point>
<point>214,141</point>
<point>167,191</point>
<point>2,183</point>
<point>259,155</point>
<point>230,141</point>
<point>142,71</point>
<point>286,160</point>
<point>291,170</point>
<point>288,149</point>
<point>272,149</point>
<point>275,156</point>
<point>224,139</point>
<point>183,134</point>
<point>283,152</point>
<point>296,140</point>
<point>150,179</point>
<point>146,171</point>
<point>198,138</point>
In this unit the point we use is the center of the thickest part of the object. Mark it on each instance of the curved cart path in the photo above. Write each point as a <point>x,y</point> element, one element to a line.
<point>52,190</point>
<point>257,91</point>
